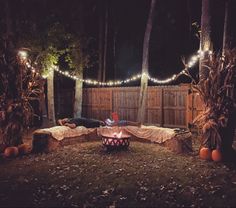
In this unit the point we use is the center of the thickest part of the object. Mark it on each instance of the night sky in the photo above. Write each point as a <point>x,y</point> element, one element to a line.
<point>172,36</point>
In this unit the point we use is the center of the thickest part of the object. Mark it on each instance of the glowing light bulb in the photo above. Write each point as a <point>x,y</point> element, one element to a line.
<point>194,58</point>
<point>201,53</point>
<point>22,54</point>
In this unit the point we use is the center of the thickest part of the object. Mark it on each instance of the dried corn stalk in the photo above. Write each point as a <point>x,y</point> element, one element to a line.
<point>21,86</point>
<point>218,95</point>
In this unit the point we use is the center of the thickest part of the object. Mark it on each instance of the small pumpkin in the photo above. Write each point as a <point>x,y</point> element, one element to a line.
<point>216,155</point>
<point>205,153</point>
<point>24,149</point>
<point>11,152</point>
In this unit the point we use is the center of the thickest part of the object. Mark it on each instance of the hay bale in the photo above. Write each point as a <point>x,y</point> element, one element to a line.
<point>181,143</point>
<point>43,142</point>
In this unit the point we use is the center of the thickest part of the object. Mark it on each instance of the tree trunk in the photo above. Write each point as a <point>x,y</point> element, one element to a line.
<point>226,34</point>
<point>50,90</point>
<point>105,46</point>
<point>114,52</point>
<point>79,73</point>
<point>229,33</point>
<point>78,95</point>
<point>58,98</point>
<point>8,20</point>
<point>190,20</point>
<point>101,42</point>
<point>43,105</point>
<point>145,65</point>
<point>205,37</point>
<point>228,133</point>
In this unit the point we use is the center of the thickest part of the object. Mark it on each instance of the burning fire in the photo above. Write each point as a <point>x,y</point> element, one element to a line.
<point>117,135</point>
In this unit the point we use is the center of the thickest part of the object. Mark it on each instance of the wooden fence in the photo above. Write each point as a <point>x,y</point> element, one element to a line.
<point>168,106</point>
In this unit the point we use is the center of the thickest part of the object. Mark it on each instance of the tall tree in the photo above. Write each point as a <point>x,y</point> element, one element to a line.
<point>48,54</point>
<point>79,72</point>
<point>107,39</point>
<point>228,44</point>
<point>205,36</point>
<point>226,35</point>
<point>229,33</point>
<point>145,65</point>
<point>101,41</point>
<point>105,45</point>
<point>50,97</point>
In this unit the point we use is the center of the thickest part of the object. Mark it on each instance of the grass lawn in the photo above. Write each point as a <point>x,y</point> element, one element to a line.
<point>85,175</point>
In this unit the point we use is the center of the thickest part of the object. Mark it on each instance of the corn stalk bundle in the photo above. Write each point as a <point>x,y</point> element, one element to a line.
<point>218,94</point>
<point>20,86</point>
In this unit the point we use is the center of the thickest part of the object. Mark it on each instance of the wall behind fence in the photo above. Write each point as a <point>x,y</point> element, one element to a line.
<point>168,106</point>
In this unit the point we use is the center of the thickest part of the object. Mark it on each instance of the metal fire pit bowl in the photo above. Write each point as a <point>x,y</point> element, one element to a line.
<point>112,142</point>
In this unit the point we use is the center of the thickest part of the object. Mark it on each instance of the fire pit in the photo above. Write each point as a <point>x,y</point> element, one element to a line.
<point>115,141</point>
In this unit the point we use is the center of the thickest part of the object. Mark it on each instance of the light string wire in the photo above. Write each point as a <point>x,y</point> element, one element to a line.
<point>193,60</point>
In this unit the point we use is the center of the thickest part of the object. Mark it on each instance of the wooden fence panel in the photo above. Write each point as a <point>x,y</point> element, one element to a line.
<point>175,106</point>
<point>125,102</point>
<point>198,105</point>
<point>154,106</point>
<point>195,106</point>
<point>97,103</point>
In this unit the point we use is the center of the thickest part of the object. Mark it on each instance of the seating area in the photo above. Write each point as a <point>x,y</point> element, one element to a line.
<point>49,139</point>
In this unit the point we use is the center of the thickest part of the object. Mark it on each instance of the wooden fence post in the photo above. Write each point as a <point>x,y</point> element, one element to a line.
<point>189,108</point>
<point>162,107</point>
<point>111,100</point>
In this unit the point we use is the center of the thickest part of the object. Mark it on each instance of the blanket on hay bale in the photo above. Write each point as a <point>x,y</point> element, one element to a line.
<point>49,139</point>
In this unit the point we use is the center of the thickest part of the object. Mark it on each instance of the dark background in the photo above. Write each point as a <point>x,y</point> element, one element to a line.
<point>172,37</point>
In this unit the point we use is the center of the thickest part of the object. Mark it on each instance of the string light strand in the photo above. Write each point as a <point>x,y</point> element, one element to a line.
<point>193,60</point>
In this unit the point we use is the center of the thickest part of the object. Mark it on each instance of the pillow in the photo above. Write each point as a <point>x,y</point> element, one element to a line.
<point>115,116</point>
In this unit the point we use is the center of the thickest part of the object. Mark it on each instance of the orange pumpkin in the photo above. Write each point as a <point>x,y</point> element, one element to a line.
<point>24,149</point>
<point>11,152</point>
<point>216,155</point>
<point>205,153</point>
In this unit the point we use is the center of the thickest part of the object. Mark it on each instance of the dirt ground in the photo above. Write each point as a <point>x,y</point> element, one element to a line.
<point>145,175</point>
